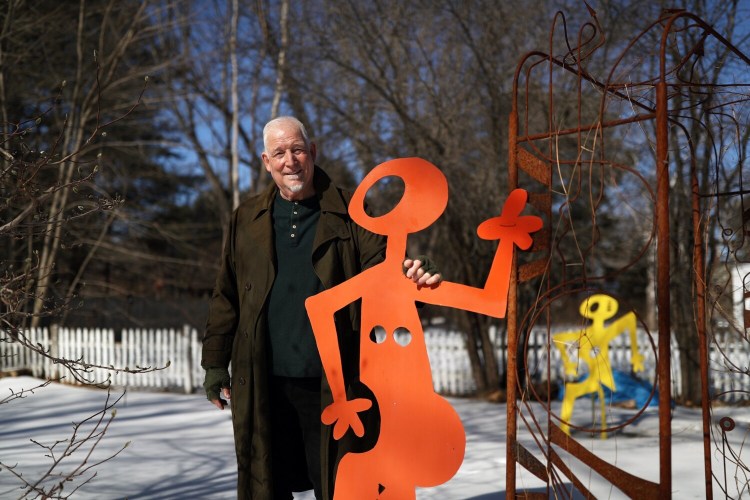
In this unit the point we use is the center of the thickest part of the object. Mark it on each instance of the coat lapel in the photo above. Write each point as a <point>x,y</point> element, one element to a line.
<point>332,226</point>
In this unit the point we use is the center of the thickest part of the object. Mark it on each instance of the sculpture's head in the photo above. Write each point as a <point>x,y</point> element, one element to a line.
<point>599,306</point>
<point>424,200</point>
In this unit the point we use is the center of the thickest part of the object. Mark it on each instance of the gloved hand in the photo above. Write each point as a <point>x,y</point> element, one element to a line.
<point>427,264</point>
<point>216,379</point>
<point>427,267</point>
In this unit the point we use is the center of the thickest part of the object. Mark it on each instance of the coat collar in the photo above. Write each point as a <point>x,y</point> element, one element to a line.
<point>329,197</point>
<point>332,225</point>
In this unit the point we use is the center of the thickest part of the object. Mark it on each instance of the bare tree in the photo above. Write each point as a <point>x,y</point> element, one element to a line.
<point>235,117</point>
<point>72,462</point>
<point>28,207</point>
<point>55,164</point>
<point>221,94</point>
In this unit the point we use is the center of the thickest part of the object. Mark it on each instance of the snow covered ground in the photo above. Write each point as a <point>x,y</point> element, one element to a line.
<point>181,447</point>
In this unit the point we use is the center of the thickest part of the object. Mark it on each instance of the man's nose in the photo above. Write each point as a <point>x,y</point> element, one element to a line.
<point>289,157</point>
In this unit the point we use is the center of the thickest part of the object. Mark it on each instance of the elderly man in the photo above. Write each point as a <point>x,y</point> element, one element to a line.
<point>284,245</point>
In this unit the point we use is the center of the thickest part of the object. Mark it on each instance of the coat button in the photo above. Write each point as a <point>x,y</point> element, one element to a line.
<point>242,380</point>
<point>244,332</point>
<point>247,287</point>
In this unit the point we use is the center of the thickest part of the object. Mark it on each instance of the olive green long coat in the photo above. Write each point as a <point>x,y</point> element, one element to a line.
<point>237,330</point>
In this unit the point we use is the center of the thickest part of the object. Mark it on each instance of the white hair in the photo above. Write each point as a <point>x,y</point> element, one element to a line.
<point>285,120</point>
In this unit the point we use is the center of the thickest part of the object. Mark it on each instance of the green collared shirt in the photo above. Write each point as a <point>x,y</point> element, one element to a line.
<point>293,349</point>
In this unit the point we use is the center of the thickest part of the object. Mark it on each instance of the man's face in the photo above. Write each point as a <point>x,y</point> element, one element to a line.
<point>290,161</point>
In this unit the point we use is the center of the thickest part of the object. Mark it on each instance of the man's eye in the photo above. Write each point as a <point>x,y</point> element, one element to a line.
<point>299,151</point>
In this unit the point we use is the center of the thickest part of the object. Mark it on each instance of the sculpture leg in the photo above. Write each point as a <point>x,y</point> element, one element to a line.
<point>368,476</point>
<point>353,479</point>
<point>571,394</point>
<point>603,408</point>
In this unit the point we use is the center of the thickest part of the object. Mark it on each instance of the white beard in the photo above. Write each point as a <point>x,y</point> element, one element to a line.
<point>296,187</point>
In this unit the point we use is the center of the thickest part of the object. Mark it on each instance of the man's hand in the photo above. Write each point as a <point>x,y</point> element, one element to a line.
<point>422,271</point>
<point>216,384</point>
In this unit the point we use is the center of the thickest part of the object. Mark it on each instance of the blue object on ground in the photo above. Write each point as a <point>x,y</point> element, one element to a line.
<point>628,388</point>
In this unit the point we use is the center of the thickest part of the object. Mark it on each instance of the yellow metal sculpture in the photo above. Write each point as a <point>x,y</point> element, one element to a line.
<point>592,344</point>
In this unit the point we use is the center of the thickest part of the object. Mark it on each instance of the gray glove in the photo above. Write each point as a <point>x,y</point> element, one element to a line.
<point>216,379</point>
<point>427,265</point>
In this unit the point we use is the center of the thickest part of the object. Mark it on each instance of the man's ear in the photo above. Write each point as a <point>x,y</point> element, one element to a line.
<point>266,161</point>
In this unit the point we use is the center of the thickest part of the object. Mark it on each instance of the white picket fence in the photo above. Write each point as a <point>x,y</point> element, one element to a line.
<point>174,357</point>
<point>451,369</point>
<point>168,358</point>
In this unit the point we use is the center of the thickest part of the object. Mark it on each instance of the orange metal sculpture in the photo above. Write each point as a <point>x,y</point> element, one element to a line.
<point>421,440</point>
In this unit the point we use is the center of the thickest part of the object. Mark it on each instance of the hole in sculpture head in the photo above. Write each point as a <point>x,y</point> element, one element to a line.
<point>384,195</point>
<point>377,334</point>
<point>402,336</point>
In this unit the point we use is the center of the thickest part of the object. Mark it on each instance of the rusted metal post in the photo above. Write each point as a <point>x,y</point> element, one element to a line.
<point>662,290</point>
<point>512,321</point>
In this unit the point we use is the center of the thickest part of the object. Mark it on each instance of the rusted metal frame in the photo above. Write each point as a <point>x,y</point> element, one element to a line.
<point>512,318</point>
<point>558,462</point>
<point>663,264</point>
<point>536,467</point>
<point>663,293</point>
<point>512,445</point>
<point>741,192</point>
<point>550,150</point>
<point>586,128</point>
<point>707,28</point>
<point>513,346</point>
<point>581,42</point>
<point>633,486</point>
<point>698,251</point>
<point>533,464</point>
<point>662,148</point>
<point>512,411</point>
<point>607,88</point>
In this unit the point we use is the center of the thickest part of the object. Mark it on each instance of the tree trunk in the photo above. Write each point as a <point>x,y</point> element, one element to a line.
<point>491,370</point>
<point>281,58</point>
<point>234,146</point>
<point>72,139</point>
<point>467,320</point>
